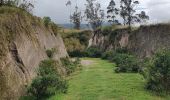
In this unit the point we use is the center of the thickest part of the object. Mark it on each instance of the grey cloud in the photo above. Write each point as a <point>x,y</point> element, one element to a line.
<point>57,10</point>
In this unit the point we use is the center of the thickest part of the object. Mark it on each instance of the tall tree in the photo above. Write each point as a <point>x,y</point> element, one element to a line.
<point>112,11</point>
<point>1,2</point>
<point>128,12</point>
<point>94,14</point>
<point>76,18</point>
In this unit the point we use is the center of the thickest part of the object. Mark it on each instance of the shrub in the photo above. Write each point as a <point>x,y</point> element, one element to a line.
<point>76,42</point>
<point>48,82</point>
<point>77,53</point>
<point>106,30</point>
<point>125,63</point>
<point>107,55</point>
<point>71,66</point>
<point>50,52</point>
<point>94,52</point>
<point>47,21</point>
<point>158,77</point>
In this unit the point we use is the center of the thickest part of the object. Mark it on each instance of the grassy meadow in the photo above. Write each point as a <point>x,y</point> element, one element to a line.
<point>97,81</point>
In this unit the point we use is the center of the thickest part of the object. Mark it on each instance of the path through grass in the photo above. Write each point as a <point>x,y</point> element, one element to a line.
<point>98,81</point>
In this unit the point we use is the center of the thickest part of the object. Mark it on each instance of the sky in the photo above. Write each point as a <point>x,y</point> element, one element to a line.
<point>158,10</point>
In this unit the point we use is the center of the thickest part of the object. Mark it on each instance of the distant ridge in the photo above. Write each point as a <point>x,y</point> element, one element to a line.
<point>83,26</point>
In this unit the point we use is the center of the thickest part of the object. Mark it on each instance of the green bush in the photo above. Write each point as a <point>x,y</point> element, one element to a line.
<point>76,42</point>
<point>71,66</point>
<point>94,52</point>
<point>158,77</point>
<point>47,21</point>
<point>106,30</point>
<point>107,55</point>
<point>50,52</point>
<point>77,53</point>
<point>48,82</point>
<point>125,63</point>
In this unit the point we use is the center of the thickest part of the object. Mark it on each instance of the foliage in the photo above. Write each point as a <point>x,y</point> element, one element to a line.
<point>106,30</point>
<point>76,18</point>
<point>71,66</point>
<point>94,14</point>
<point>27,5</point>
<point>128,12</point>
<point>125,63</point>
<point>158,76</point>
<point>107,55</point>
<point>112,11</point>
<point>76,42</point>
<point>93,52</point>
<point>47,21</point>
<point>50,52</point>
<point>124,60</point>
<point>48,82</point>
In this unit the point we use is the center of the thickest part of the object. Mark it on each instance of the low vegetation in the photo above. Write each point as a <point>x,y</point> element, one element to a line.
<point>125,61</point>
<point>157,72</point>
<point>76,42</point>
<point>50,52</point>
<point>48,82</point>
<point>71,66</point>
<point>97,81</point>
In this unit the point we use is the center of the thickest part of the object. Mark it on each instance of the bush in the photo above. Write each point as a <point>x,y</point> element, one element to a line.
<point>47,21</point>
<point>106,30</point>
<point>48,82</point>
<point>76,42</point>
<point>125,63</point>
<point>158,77</point>
<point>50,52</point>
<point>107,55</point>
<point>71,66</point>
<point>94,52</point>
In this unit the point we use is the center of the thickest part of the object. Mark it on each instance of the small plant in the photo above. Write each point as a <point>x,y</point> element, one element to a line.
<point>125,63</point>
<point>71,66</point>
<point>158,76</point>
<point>47,21</point>
<point>94,52</point>
<point>48,82</point>
<point>107,55</point>
<point>50,52</point>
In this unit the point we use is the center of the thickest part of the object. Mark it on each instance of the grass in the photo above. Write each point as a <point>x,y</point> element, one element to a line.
<point>99,82</point>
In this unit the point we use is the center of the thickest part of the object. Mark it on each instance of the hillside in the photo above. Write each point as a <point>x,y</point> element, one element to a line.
<point>24,40</point>
<point>143,41</point>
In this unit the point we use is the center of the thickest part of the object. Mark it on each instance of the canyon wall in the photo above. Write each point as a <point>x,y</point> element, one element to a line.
<point>143,41</point>
<point>23,43</point>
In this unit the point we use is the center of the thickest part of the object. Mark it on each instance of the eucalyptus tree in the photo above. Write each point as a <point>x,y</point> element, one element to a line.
<point>112,12</point>
<point>76,18</point>
<point>128,12</point>
<point>94,14</point>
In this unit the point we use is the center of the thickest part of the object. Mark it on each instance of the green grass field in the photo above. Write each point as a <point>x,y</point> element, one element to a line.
<point>98,81</point>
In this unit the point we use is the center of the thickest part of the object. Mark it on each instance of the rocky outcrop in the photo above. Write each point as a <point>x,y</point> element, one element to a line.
<point>23,43</point>
<point>143,42</point>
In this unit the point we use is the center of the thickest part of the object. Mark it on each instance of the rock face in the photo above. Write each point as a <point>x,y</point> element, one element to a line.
<point>23,43</point>
<point>144,41</point>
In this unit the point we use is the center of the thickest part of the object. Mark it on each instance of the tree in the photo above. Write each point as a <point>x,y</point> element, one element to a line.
<point>112,11</point>
<point>128,12</point>
<point>1,2</point>
<point>47,21</point>
<point>27,5</point>
<point>94,14</point>
<point>76,18</point>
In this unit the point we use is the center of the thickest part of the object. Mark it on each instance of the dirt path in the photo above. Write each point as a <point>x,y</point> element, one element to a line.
<point>87,62</point>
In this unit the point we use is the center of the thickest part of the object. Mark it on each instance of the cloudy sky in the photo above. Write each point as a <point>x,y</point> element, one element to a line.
<point>158,10</point>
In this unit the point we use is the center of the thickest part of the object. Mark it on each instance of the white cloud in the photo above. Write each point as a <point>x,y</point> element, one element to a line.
<point>57,10</point>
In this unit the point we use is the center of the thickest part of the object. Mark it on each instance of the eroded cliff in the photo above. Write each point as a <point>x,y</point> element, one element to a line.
<point>143,41</point>
<point>23,43</point>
